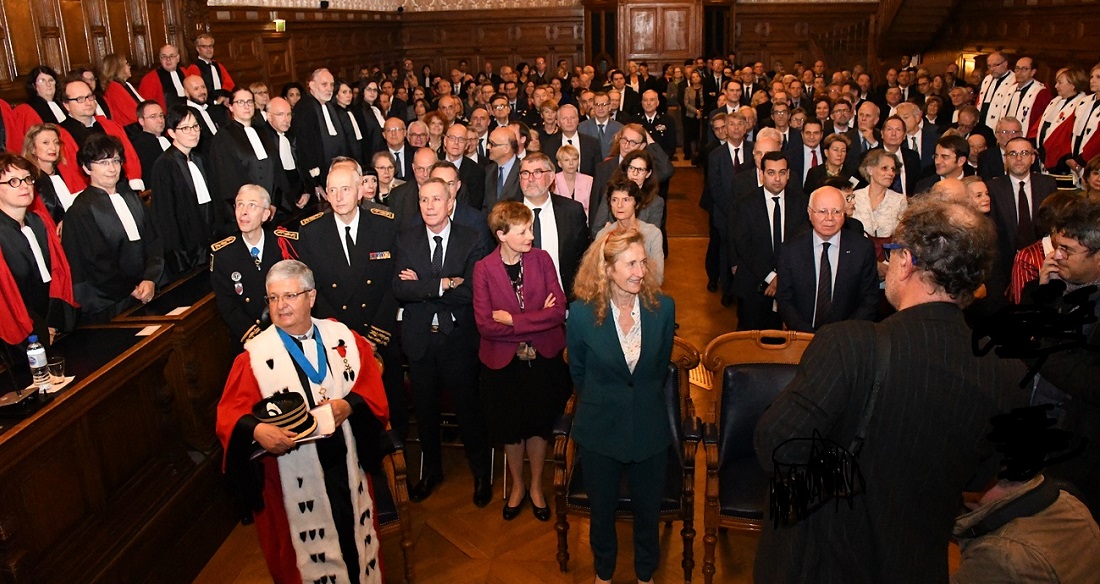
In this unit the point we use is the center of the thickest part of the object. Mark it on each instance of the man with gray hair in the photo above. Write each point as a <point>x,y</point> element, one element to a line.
<point>926,434</point>
<point>313,502</point>
<point>317,131</point>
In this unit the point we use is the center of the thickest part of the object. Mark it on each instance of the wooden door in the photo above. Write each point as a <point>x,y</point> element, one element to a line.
<point>660,32</point>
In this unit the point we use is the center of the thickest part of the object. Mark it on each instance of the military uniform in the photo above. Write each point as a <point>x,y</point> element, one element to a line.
<point>360,295</point>
<point>238,280</point>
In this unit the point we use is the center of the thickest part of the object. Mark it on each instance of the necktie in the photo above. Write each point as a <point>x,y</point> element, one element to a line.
<point>536,229</point>
<point>824,287</point>
<point>437,257</point>
<point>599,132</point>
<point>784,146</point>
<point>777,225</point>
<point>1025,232</point>
<point>813,158</point>
<point>500,182</point>
<point>348,241</point>
<point>864,140</point>
<point>913,145</point>
<point>256,256</point>
<point>736,160</point>
<point>400,168</point>
<point>481,149</point>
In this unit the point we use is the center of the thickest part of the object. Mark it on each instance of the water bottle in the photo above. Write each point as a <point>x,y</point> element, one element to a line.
<point>36,355</point>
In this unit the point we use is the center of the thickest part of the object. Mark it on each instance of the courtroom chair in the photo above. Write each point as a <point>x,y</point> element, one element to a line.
<point>754,367</point>
<point>391,501</point>
<point>678,500</point>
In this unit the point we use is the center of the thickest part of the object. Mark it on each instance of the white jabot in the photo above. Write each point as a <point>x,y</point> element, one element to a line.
<point>132,90</point>
<point>215,75</point>
<point>285,154</point>
<point>205,116</point>
<point>378,116</point>
<point>328,120</point>
<point>99,110</point>
<point>62,191</point>
<point>176,81</point>
<point>254,140</point>
<point>202,193</point>
<point>57,113</point>
<point>164,143</point>
<point>355,126</point>
<point>37,251</point>
<point>125,216</point>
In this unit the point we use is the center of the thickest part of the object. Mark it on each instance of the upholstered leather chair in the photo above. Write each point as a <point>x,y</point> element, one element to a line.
<point>678,501</point>
<point>753,367</point>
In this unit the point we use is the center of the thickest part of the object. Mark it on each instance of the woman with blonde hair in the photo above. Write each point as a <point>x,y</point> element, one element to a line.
<point>619,335</point>
<point>519,307</point>
<point>570,182</point>
<point>42,147</point>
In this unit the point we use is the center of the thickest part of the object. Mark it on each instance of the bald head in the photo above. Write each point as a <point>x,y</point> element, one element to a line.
<point>951,190</point>
<point>195,88</point>
<point>422,164</point>
<point>169,57</point>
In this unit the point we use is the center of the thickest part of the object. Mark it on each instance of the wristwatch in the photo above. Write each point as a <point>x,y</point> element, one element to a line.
<point>450,283</point>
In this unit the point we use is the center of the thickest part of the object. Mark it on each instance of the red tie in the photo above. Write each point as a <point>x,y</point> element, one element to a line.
<point>813,158</point>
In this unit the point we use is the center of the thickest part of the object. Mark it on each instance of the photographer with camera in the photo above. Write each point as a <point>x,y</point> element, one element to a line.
<point>925,438</point>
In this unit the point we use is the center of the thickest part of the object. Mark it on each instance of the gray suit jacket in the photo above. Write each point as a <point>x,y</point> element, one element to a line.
<point>589,128</point>
<point>511,185</point>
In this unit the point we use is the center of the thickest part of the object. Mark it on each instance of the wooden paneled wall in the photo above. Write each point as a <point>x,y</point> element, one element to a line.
<point>1056,32</point>
<point>441,39</point>
<point>836,32</point>
<point>65,34</point>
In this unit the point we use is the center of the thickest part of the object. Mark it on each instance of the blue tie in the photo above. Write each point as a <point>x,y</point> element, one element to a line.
<point>500,183</point>
<point>256,256</point>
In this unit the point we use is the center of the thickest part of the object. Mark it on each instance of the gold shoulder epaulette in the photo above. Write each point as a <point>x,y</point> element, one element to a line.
<point>223,243</point>
<point>287,234</point>
<point>306,221</point>
<point>382,213</point>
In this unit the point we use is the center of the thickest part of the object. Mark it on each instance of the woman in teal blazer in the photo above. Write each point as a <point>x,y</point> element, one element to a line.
<point>619,334</point>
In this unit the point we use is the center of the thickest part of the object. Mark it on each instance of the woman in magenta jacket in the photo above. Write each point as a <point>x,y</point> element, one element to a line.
<point>520,310</point>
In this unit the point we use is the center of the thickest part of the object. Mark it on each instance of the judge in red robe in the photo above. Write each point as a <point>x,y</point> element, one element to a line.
<point>312,502</point>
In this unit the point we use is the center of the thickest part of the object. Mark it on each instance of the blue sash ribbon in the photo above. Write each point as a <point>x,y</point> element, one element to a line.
<point>314,375</point>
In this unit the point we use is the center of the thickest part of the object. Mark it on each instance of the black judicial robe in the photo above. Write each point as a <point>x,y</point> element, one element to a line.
<point>234,164</point>
<point>185,227</point>
<point>44,188</point>
<point>106,266</point>
<point>315,146</point>
<point>16,252</point>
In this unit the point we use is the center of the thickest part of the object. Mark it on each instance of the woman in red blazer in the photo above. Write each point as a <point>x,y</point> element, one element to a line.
<point>519,306</point>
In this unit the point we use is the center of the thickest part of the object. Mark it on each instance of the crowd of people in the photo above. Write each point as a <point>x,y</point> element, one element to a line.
<point>469,227</point>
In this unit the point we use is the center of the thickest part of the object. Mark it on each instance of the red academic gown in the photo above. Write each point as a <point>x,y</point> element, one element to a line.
<point>227,81</point>
<point>241,393</point>
<point>121,103</point>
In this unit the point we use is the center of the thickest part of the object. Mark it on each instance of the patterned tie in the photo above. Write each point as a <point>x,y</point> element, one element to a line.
<point>256,256</point>
<point>777,225</point>
<point>1025,232</point>
<point>824,287</point>
<point>536,229</point>
<point>437,257</point>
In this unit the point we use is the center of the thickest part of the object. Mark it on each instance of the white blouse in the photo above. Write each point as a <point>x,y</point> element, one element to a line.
<point>629,340</point>
<point>880,222</point>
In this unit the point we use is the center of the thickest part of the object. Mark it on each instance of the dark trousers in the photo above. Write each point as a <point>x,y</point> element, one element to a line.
<point>393,379</point>
<point>647,481</point>
<point>754,313</point>
<point>449,363</point>
<point>711,262</point>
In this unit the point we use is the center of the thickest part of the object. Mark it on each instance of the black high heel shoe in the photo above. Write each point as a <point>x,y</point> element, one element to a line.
<point>541,513</point>
<point>509,513</point>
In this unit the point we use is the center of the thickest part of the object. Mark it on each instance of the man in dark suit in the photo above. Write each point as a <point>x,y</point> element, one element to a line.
<point>433,278</point>
<point>464,214</point>
<point>630,103</point>
<point>919,136</point>
<point>713,84</point>
<point>569,122</point>
<point>868,136</point>
<point>952,154</point>
<point>297,195</point>
<point>759,223</point>
<point>558,219</point>
<point>317,130</point>
<point>724,164</point>
<point>472,175</point>
<point>350,251</point>
<point>394,135</point>
<point>826,274</point>
<point>502,173</point>
<point>967,123</point>
<point>808,154</point>
<point>934,405</point>
<point>1015,199</point>
<point>732,91</point>
<point>893,136</point>
<point>404,200</point>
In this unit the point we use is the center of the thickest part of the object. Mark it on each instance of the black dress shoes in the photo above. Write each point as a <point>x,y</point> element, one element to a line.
<point>509,513</point>
<point>541,513</point>
<point>424,488</point>
<point>727,299</point>
<point>483,491</point>
<point>712,286</point>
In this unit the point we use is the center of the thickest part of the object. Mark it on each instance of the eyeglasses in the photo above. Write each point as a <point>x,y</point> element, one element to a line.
<point>998,64</point>
<point>82,98</point>
<point>169,57</point>
<point>602,103</point>
<point>244,102</point>
<point>287,297</point>
<point>456,139</point>
<point>1019,154</point>
<point>418,135</point>
<point>393,130</point>
<point>106,162</point>
<point>828,212</point>
<point>249,206</point>
<point>500,106</point>
<point>47,81</point>
<point>889,248</point>
<point>636,169</point>
<point>191,128</point>
<point>1009,132</point>
<point>536,174</point>
<point>387,168</point>
<point>15,181</point>
<point>629,142</point>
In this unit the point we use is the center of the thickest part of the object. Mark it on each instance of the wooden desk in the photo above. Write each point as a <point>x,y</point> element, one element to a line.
<point>99,485</point>
<point>201,357</point>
